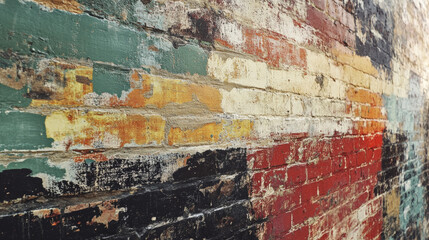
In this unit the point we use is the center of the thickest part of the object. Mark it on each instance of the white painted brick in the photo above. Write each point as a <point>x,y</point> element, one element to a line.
<point>238,70</point>
<point>297,106</point>
<point>269,127</point>
<point>255,102</point>
<point>294,81</point>
<point>320,107</point>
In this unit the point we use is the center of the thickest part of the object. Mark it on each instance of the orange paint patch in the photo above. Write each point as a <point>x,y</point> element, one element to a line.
<point>66,5</point>
<point>364,96</point>
<point>157,91</point>
<point>104,130</point>
<point>211,132</point>
<point>368,127</point>
<point>98,157</point>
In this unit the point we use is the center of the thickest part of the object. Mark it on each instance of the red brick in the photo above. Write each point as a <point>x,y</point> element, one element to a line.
<point>339,164</point>
<point>260,158</point>
<point>301,233</point>
<point>361,158</point>
<point>361,199</point>
<point>355,175</point>
<point>319,170</point>
<point>348,145</point>
<point>257,183</point>
<point>285,202</point>
<point>282,223</point>
<point>375,141</point>
<point>337,147</point>
<point>351,160</point>
<point>302,213</point>
<point>275,178</point>
<point>280,154</point>
<point>296,174</point>
<point>308,191</point>
<point>377,154</point>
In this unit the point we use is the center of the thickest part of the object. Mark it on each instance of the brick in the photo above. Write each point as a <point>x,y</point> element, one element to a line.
<point>238,70</point>
<point>210,132</point>
<point>281,154</point>
<point>273,49</point>
<point>77,129</point>
<point>302,213</point>
<point>282,223</point>
<point>275,178</point>
<point>339,163</point>
<point>320,169</point>
<point>255,102</point>
<point>308,191</point>
<point>296,175</point>
<point>257,179</point>
<point>260,158</point>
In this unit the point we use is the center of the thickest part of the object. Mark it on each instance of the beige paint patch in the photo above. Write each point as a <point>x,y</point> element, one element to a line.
<point>238,70</point>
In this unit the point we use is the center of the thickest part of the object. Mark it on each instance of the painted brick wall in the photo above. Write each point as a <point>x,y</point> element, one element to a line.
<point>214,119</point>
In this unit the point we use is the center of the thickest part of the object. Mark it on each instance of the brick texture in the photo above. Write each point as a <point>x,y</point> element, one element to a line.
<point>213,119</point>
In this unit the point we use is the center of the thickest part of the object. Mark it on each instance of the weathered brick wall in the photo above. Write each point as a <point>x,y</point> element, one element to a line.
<point>214,119</point>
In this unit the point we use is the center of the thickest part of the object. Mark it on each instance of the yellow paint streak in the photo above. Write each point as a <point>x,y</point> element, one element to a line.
<point>157,91</point>
<point>66,5</point>
<point>74,91</point>
<point>93,129</point>
<point>211,132</point>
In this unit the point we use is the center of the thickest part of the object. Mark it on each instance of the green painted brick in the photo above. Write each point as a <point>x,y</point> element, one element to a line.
<point>37,165</point>
<point>110,80</point>
<point>25,28</point>
<point>19,130</point>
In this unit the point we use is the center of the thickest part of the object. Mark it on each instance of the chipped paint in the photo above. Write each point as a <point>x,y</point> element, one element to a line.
<point>77,129</point>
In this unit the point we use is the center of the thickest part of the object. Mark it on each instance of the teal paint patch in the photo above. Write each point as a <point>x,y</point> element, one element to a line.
<point>89,161</point>
<point>25,28</point>
<point>11,97</point>
<point>405,117</point>
<point>189,58</point>
<point>19,131</point>
<point>146,15</point>
<point>121,10</point>
<point>37,165</point>
<point>110,80</point>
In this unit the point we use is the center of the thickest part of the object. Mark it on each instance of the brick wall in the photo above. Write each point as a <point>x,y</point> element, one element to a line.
<point>214,119</point>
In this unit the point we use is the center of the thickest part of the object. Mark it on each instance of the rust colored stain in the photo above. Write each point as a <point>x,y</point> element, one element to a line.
<point>108,213</point>
<point>98,157</point>
<point>99,129</point>
<point>66,5</point>
<point>211,132</point>
<point>157,91</point>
